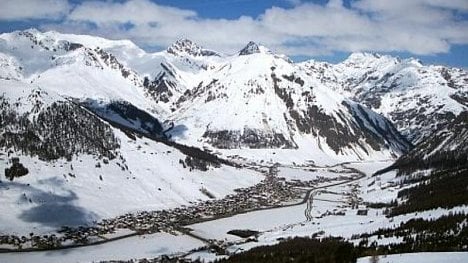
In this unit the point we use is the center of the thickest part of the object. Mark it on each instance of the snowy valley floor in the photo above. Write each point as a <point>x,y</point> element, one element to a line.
<point>331,199</point>
<point>429,257</point>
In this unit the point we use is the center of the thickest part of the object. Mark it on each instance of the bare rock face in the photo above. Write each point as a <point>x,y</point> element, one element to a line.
<point>444,149</point>
<point>187,46</point>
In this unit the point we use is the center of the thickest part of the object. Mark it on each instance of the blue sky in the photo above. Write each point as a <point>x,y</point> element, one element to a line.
<point>436,31</point>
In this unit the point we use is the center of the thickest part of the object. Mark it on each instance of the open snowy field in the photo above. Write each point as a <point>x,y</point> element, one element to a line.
<point>148,246</point>
<point>424,257</point>
<point>329,213</point>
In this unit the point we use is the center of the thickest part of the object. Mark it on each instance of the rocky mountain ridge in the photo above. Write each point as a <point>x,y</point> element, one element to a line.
<point>418,99</point>
<point>271,101</point>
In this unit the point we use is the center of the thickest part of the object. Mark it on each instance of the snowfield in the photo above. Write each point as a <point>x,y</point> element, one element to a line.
<point>425,257</point>
<point>148,246</point>
<point>273,224</point>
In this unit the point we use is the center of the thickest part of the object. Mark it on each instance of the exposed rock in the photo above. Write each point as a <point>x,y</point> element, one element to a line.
<point>248,138</point>
<point>251,48</point>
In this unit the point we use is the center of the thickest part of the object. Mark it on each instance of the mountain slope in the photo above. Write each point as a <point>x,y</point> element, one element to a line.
<point>64,165</point>
<point>165,75</point>
<point>444,149</point>
<point>268,102</point>
<point>47,126</point>
<point>418,99</point>
<point>272,102</point>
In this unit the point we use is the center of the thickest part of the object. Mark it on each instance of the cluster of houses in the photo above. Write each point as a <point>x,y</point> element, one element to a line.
<point>270,192</point>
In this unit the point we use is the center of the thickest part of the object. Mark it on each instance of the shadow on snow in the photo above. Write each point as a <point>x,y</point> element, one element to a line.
<point>50,209</point>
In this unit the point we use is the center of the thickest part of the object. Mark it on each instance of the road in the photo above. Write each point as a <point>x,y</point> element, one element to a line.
<point>308,198</point>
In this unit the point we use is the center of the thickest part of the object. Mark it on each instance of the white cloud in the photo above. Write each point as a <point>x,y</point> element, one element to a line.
<point>135,11</point>
<point>33,9</point>
<point>416,26</point>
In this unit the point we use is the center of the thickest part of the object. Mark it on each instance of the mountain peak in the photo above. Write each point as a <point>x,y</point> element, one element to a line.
<point>251,48</point>
<point>363,55</point>
<point>187,46</point>
<point>31,30</point>
<point>184,45</point>
<point>360,58</point>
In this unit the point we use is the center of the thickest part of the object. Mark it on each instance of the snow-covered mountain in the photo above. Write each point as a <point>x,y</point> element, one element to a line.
<point>444,149</point>
<point>261,100</point>
<point>64,165</point>
<point>74,109</point>
<point>418,99</point>
<point>266,100</point>
<point>83,117</point>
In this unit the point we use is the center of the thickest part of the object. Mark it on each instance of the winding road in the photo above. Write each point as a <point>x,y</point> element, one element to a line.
<point>308,198</point>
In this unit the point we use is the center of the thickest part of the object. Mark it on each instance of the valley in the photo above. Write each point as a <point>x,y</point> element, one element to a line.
<point>329,201</point>
<point>112,153</point>
<point>253,213</point>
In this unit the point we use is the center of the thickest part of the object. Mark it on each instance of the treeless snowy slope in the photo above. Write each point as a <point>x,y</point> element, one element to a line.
<point>422,257</point>
<point>149,246</point>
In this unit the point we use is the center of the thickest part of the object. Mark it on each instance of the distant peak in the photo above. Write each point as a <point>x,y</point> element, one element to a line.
<point>31,30</point>
<point>366,57</point>
<point>187,46</point>
<point>415,61</point>
<point>183,46</point>
<point>185,43</point>
<point>251,48</point>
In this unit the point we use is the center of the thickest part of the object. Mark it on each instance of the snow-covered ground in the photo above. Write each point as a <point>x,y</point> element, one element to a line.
<point>331,214</point>
<point>71,193</point>
<point>424,257</point>
<point>148,246</point>
<point>259,90</point>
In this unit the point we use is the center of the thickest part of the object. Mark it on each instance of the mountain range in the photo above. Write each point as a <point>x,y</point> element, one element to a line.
<point>82,116</point>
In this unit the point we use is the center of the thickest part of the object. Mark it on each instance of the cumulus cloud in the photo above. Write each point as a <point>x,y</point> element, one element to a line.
<point>306,28</point>
<point>33,9</point>
<point>135,11</point>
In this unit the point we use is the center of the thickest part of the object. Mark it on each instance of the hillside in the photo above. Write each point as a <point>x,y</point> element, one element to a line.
<point>102,142</point>
<point>403,90</point>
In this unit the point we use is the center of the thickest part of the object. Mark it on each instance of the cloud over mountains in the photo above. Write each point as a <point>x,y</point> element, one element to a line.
<point>421,27</point>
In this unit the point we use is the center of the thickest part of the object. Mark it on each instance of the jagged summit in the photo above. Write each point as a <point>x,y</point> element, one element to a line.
<point>253,48</point>
<point>31,30</point>
<point>366,57</point>
<point>183,45</point>
<point>187,46</point>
